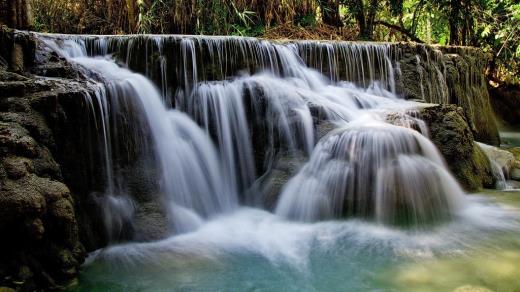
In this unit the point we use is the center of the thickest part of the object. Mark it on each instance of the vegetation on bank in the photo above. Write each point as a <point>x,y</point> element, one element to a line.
<point>492,25</point>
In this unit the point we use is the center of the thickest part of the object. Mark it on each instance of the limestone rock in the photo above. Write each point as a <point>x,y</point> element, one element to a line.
<point>450,132</point>
<point>449,75</point>
<point>17,167</point>
<point>515,174</point>
<point>150,222</point>
<point>36,207</point>
<point>286,166</point>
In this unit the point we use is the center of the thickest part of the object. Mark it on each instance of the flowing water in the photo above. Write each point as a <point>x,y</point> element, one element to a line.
<point>212,131</point>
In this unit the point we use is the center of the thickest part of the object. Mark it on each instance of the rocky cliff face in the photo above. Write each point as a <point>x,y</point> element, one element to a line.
<point>41,246</point>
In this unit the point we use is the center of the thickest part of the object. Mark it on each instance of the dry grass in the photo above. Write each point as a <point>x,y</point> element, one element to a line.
<point>318,32</point>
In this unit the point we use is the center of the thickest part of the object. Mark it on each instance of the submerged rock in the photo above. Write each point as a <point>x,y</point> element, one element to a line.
<point>450,132</point>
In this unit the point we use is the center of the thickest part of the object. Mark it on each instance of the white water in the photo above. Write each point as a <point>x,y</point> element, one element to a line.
<point>190,168</point>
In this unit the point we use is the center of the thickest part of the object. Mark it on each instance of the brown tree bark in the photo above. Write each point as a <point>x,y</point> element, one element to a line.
<point>18,14</point>
<point>132,20</point>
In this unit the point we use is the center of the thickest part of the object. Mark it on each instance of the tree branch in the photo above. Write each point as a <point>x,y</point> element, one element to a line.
<point>400,29</point>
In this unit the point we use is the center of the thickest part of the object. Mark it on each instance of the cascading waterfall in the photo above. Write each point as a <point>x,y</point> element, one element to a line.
<point>370,168</point>
<point>190,168</point>
<point>228,106</point>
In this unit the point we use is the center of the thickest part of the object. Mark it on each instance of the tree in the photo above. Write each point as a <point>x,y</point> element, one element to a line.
<point>17,14</point>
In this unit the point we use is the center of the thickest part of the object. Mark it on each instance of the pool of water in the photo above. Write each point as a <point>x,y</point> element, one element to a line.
<point>253,250</point>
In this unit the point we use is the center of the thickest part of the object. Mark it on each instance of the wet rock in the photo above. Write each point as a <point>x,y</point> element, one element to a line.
<point>450,132</point>
<point>271,185</point>
<point>150,222</point>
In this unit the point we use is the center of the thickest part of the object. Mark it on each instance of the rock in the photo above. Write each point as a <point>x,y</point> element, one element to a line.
<point>14,138</point>
<point>515,174</point>
<point>12,88</point>
<point>36,207</point>
<point>450,132</point>
<point>17,167</point>
<point>449,75</point>
<point>150,222</point>
<point>35,228</point>
<point>513,184</point>
<point>271,185</point>
<point>503,158</point>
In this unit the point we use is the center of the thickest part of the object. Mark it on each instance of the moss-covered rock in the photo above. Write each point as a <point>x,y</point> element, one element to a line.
<point>450,75</point>
<point>451,134</point>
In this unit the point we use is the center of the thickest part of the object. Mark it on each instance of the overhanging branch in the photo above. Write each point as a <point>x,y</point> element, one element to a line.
<point>401,30</point>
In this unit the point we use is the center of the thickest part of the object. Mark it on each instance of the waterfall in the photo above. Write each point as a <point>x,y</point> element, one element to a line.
<point>370,168</point>
<point>222,109</point>
<point>191,171</point>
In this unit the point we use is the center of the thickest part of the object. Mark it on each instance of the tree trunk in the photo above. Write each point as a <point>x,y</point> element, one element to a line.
<point>370,20</point>
<point>130,7</point>
<point>454,21</point>
<point>357,8</point>
<point>330,12</point>
<point>18,14</point>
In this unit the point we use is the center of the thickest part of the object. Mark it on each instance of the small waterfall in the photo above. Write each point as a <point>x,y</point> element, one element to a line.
<point>372,169</point>
<point>499,173</point>
<point>228,107</point>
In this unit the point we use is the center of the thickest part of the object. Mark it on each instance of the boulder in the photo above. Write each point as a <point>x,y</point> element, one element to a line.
<point>450,132</point>
<point>270,186</point>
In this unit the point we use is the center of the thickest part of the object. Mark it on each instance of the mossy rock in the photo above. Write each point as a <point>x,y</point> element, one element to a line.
<point>451,134</point>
